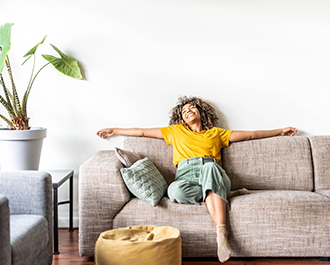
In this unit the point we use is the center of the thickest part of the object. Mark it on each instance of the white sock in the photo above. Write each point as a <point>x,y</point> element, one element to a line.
<point>224,249</point>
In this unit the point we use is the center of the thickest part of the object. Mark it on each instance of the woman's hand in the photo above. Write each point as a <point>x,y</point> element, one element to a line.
<point>289,131</point>
<point>105,133</point>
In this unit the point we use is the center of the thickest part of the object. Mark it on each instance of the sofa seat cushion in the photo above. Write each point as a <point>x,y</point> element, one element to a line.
<point>280,223</point>
<point>27,228</point>
<point>263,223</point>
<point>197,229</point>
<point>324,193</point>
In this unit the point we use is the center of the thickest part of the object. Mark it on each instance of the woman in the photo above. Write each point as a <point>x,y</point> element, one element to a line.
<point>196,152</point>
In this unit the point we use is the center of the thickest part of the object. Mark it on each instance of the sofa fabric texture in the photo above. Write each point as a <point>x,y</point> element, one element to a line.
<point>321,159</point>
<point>286,213</point>
<point>5,253</point>
<point>27,228</point>
<point>29,221</point>
<point>279,163</point>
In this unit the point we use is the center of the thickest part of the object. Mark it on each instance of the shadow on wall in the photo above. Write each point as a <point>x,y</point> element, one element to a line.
<point>302,133</point>
<point>222,122</point>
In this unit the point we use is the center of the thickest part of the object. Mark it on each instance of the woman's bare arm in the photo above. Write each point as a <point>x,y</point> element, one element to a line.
<point>151,133</point>
<point>238,136</point>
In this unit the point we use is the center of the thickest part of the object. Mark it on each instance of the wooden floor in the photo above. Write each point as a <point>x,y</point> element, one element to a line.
<point>68,247</point>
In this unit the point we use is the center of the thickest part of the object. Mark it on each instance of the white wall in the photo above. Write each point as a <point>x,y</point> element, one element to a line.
<point>263,64</point>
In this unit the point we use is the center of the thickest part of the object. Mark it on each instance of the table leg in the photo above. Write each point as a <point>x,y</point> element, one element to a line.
<point>71,204</point>
<point>55,202</point>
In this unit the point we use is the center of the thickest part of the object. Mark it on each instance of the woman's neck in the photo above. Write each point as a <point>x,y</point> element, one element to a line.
<point>196,127</point>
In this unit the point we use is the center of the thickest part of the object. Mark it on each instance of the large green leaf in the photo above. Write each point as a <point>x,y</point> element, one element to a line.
<point>65,64</point>
<point>33,50</point>
<point>5,33</point>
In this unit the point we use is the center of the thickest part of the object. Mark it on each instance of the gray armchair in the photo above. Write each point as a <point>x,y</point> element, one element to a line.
<point>26,218</point>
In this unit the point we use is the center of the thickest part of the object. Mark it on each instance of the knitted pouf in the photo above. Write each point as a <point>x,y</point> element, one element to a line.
<point>139,245</point>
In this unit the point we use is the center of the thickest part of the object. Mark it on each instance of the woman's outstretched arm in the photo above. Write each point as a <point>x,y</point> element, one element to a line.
<point>151,133</point>
<point>238,136</point>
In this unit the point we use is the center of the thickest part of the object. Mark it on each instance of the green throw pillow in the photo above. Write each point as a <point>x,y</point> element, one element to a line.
<point>145,181</point>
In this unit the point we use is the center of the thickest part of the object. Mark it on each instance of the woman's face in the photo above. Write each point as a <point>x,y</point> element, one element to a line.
<point>190,113</point>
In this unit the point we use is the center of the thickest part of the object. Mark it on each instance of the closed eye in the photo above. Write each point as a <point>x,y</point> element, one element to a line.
<point>189,108</point>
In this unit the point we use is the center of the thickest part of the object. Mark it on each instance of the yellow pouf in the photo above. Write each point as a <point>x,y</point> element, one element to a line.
<point>145,245</point>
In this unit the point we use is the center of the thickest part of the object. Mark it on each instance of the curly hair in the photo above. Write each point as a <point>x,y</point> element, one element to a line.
<point>208,116</point>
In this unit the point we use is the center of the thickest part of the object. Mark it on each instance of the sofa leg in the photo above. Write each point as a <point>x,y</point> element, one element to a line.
<point>324,259</point>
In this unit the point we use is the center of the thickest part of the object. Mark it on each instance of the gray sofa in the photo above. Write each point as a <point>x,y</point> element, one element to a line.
<point>287,213</point>
<point>26,218</point>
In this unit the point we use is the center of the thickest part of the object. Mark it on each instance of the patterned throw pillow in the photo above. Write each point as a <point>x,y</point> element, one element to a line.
<point>145,181</point>
<point>127,158</point>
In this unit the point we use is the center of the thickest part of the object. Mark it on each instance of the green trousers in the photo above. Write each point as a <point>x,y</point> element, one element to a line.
<point>194,177</point>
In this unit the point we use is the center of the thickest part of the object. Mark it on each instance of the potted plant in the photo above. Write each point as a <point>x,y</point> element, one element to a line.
<point>18,121</point>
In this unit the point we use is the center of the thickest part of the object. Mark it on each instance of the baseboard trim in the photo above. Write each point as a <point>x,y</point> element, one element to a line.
<point>64,222</point>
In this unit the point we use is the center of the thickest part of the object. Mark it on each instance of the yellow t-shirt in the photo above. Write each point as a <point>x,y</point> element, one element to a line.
<point>188,144</point>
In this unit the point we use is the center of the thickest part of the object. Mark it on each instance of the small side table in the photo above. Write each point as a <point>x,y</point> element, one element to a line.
<point>58,178</point>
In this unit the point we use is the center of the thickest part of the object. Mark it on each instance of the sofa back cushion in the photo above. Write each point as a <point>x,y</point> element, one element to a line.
<point>277,163</point>
<point>321,159</point>
<point>157,151</point>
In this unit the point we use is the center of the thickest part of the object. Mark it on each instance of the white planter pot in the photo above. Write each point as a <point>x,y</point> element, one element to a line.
<point>20,150</point>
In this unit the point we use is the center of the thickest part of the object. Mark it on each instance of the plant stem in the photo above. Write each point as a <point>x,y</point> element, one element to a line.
<point>7,93</point>
<point>16,104</point>
<point>34,63</point>
<point>27,92</point>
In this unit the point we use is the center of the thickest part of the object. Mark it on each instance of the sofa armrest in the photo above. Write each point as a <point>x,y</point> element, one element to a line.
<point>5,252</point>
<point>102,194</point>
<point>320,146</point>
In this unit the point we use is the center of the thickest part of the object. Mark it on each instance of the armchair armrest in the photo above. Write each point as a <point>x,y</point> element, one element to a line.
<point>102,194</point>
<point>28,192</point>
<point>5,252</point>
